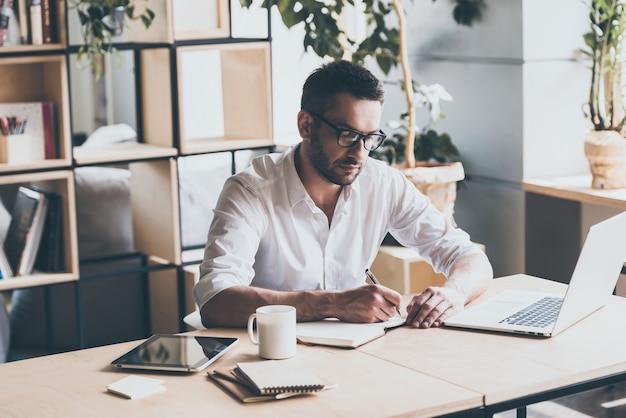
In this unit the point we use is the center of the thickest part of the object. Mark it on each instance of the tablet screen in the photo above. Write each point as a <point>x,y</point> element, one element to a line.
<point>171,352</point>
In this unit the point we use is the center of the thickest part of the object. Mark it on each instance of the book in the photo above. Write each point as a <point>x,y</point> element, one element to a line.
<point>36,34</point>
<point>22,16</point>
<point>49,137</point>
<point>46,21</point>
<point>5,267</point>
<point>23,237</point>
<point>336,333</point>
<point>268,380</point>
<point>50,254</point>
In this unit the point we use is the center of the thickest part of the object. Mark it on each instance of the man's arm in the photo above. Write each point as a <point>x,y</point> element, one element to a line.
<point>469,277</point>
<point>370,303</point>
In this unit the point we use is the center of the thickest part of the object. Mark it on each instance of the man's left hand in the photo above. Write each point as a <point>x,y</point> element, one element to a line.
<point>431,307</point>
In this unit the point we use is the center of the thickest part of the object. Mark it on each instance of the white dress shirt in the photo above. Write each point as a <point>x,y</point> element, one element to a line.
<point>267,232</point>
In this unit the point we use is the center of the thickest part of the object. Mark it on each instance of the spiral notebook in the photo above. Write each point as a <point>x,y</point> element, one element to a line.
<point>278,376</point>
<point>268,380</point>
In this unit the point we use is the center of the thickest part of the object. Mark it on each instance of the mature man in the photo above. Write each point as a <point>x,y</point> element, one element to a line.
<point>300,228</point>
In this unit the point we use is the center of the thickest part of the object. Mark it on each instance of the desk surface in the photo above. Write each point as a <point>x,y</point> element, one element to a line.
<point>505,367</point>
<point>73,385</point>
<point>407,372</point>
<point>577,188</point>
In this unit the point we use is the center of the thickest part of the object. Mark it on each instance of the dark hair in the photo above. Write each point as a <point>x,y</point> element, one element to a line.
<point>331,79</point>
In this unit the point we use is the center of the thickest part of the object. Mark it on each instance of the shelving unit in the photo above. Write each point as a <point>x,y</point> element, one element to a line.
<point>195,86</point>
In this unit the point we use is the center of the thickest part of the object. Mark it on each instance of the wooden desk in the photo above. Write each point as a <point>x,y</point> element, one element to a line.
<point>409,372</point>
<point>73,385</point>
<point>511,370</point>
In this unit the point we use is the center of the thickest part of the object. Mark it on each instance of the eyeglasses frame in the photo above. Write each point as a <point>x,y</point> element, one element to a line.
<point>360,135</point>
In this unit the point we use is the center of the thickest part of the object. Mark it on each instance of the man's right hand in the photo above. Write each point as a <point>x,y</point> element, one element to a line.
<point>369,303</point>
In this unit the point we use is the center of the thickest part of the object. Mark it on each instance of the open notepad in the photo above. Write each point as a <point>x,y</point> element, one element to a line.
<point>343,334</point>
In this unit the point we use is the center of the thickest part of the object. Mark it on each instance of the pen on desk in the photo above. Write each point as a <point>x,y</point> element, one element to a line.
<point>374,280</point>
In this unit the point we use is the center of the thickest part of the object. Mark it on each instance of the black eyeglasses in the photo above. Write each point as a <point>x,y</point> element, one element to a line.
<point>347,138</point>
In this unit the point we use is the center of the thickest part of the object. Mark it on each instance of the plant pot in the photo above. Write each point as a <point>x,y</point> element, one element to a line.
<point>438,181</point>
<point>606,153</point>
<point>117,16</point>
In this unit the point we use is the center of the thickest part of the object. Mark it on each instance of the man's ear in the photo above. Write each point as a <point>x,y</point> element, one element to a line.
<point>305,124</point>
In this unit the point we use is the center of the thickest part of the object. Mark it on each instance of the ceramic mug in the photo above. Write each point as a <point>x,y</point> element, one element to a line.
<point>275,331</point>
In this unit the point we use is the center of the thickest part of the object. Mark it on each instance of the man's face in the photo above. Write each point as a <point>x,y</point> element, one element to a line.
<point>336,164</point>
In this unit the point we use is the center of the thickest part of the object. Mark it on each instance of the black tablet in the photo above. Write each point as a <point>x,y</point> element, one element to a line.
<point>170,352</point>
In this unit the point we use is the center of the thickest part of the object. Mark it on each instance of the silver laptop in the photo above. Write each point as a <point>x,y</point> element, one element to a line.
<point>593,281</point>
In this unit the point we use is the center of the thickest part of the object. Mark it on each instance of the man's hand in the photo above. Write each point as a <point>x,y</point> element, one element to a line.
<point>369,303</point>
<point>431,307</point>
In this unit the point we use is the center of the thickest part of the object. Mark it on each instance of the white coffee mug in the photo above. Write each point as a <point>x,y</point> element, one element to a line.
<point>276,330</point>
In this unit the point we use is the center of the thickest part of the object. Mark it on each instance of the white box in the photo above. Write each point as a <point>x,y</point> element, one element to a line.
<point>16,149</point>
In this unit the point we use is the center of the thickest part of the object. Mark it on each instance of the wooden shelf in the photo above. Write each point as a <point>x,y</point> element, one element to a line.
<point>34,165</point>
<point>33,280</point>
<point>198,146</point>
<point>40,79</point>
<point>155,209</point>
<point>125,151</point>
<point>60,182</point>
<point>576,188</point>
<point>181,20</point>
<point>197,90</point>
<point>233,83</point>
<point>60,38</point>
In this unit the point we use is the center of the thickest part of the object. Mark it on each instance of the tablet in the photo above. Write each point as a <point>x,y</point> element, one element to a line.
<point>171,352</point>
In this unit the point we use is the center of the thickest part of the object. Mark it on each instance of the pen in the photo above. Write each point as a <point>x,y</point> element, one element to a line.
<point>371,276</point>
<point>374,280</point>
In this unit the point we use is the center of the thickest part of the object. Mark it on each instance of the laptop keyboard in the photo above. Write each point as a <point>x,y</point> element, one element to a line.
<point>539,314</point>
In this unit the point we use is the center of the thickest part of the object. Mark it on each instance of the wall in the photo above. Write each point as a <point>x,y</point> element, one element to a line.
<point>518,92</point>
<point>518,89</point>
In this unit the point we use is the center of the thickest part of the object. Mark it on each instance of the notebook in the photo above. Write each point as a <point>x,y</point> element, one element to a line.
<point>268,380</point>
<point>592,283</point>
<point>278,376</point>
<point>343,334</point>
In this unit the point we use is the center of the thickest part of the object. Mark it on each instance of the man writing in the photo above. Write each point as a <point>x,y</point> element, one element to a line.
<point>300,228</point>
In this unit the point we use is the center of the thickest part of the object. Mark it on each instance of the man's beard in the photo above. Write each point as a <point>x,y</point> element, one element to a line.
<point>320,162</point>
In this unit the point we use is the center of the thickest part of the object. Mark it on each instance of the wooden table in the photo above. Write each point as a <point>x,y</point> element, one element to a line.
<point>513,371</point>
<point>408,372</point>
<point>73,385</point>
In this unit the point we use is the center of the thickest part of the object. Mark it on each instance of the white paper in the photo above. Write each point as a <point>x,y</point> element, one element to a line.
<point>134,387</point>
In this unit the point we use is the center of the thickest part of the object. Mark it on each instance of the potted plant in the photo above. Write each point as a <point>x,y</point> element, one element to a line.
<point>386,44</point>
<point>100,20</point>
<point>437,170</point>
<point>605,145</point>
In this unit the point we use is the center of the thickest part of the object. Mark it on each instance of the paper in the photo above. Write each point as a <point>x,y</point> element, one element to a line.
<point>135,387</point>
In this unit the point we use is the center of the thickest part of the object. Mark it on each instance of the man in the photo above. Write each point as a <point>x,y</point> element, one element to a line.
<point>300,228</point>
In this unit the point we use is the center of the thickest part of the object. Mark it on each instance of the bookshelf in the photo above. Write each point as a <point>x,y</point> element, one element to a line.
<point>233,81</point>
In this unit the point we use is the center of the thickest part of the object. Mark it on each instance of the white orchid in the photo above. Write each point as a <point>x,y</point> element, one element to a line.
<point>431,96</point>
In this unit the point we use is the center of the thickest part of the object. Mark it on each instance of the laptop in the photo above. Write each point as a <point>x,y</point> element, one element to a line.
<point>592,283</point>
